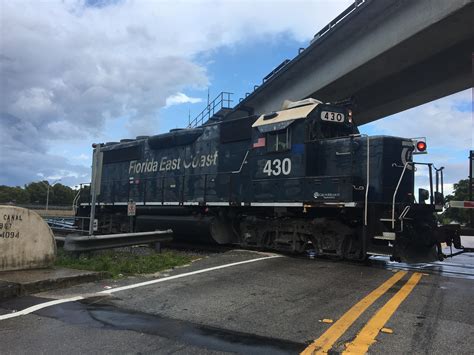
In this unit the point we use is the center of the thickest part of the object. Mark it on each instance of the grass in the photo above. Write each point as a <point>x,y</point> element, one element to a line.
<point>118,263</point>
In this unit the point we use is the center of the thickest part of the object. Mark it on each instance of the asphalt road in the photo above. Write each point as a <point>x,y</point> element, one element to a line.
<point>271,305</point>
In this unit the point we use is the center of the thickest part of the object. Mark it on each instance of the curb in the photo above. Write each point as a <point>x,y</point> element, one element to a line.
<point>10,289</point>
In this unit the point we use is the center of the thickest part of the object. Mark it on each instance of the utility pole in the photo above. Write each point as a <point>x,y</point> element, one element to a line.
<point>48,186</point>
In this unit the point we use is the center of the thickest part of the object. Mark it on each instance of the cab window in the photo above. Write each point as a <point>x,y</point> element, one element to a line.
<point>279,141</point>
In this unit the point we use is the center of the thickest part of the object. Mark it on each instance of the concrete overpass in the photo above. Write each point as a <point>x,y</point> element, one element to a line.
<point>389,55</point>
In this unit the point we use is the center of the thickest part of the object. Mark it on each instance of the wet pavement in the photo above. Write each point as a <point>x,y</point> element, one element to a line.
<point>461,266</point>
<point>278,305</point>
<point>99,313</point>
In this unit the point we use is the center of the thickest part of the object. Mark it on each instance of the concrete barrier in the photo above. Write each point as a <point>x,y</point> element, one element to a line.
<point>26,241</point>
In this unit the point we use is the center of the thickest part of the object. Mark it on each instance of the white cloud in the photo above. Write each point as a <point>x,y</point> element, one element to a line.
<point>180,98</point>
<point>26,166</point>
<point>66,68</point>
<point>448,126</point>
<point>444,122</point>
<point>82,157</point>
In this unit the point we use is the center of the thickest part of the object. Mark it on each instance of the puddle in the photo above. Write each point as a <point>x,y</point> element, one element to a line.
<point>97,313</point>
<point>461,266</point>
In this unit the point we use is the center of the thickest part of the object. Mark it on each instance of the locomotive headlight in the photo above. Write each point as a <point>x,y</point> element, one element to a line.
<point>349,116</point>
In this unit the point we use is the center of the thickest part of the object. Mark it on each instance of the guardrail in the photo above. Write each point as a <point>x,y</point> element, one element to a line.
<point>353,7</point>
<point>276,70</point>
<point>79,243</point>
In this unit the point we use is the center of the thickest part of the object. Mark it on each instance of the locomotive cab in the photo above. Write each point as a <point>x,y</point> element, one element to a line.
<point>292,143</point>
<point>313,153</point>
<point>320,121</point>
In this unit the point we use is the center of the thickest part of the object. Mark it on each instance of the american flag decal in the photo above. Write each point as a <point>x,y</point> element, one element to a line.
<point>260,143</point>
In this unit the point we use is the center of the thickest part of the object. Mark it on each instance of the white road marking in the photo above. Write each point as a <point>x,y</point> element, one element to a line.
<point>37,307</point>
<point>128,287</point>
<point>151,282</point>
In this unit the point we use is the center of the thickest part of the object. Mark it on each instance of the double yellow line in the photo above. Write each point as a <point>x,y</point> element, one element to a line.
<point>366,336</point>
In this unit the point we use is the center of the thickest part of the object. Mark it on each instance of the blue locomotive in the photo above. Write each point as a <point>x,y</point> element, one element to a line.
<point>297,179</point>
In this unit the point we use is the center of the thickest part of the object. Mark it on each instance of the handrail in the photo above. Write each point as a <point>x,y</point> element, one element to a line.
<point>402,216</point>
<point>276,70</point>
<point>404,212</point>
<point>243,162</point>
<point>367,180</point>
<point>223,100</point>
<point>396,191</point>
<point>82,187</point>
<point>338,19</point>
<point>74,201</point>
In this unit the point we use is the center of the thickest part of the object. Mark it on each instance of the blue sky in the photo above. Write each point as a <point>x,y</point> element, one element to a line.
<point>77,72</point>
<point>236,70</point>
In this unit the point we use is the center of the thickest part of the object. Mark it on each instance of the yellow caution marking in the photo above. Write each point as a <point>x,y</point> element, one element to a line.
<point>367,335</point>
<point>325,342</point>
<point>325,320</point>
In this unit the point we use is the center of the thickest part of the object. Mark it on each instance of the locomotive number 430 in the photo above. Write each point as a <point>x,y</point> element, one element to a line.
<point>332,116</point>
<point>277,166</point>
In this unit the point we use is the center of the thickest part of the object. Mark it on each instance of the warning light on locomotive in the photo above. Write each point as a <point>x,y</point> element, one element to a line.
<point>419,145</point>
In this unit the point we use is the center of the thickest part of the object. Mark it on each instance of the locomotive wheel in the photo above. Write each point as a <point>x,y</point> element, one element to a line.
<point>352,249</point>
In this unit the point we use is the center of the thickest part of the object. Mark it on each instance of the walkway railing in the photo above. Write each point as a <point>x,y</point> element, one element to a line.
<point>223,100</point>
<point>354,6</point>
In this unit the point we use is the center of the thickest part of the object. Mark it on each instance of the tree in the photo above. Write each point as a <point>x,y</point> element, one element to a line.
<point>460,193</point>
<point>62,195</point>
<point>14,194</point>
<point>37,191</point>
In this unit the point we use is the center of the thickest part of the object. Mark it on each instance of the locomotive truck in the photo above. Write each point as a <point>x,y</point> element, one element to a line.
<point>297,179</point>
